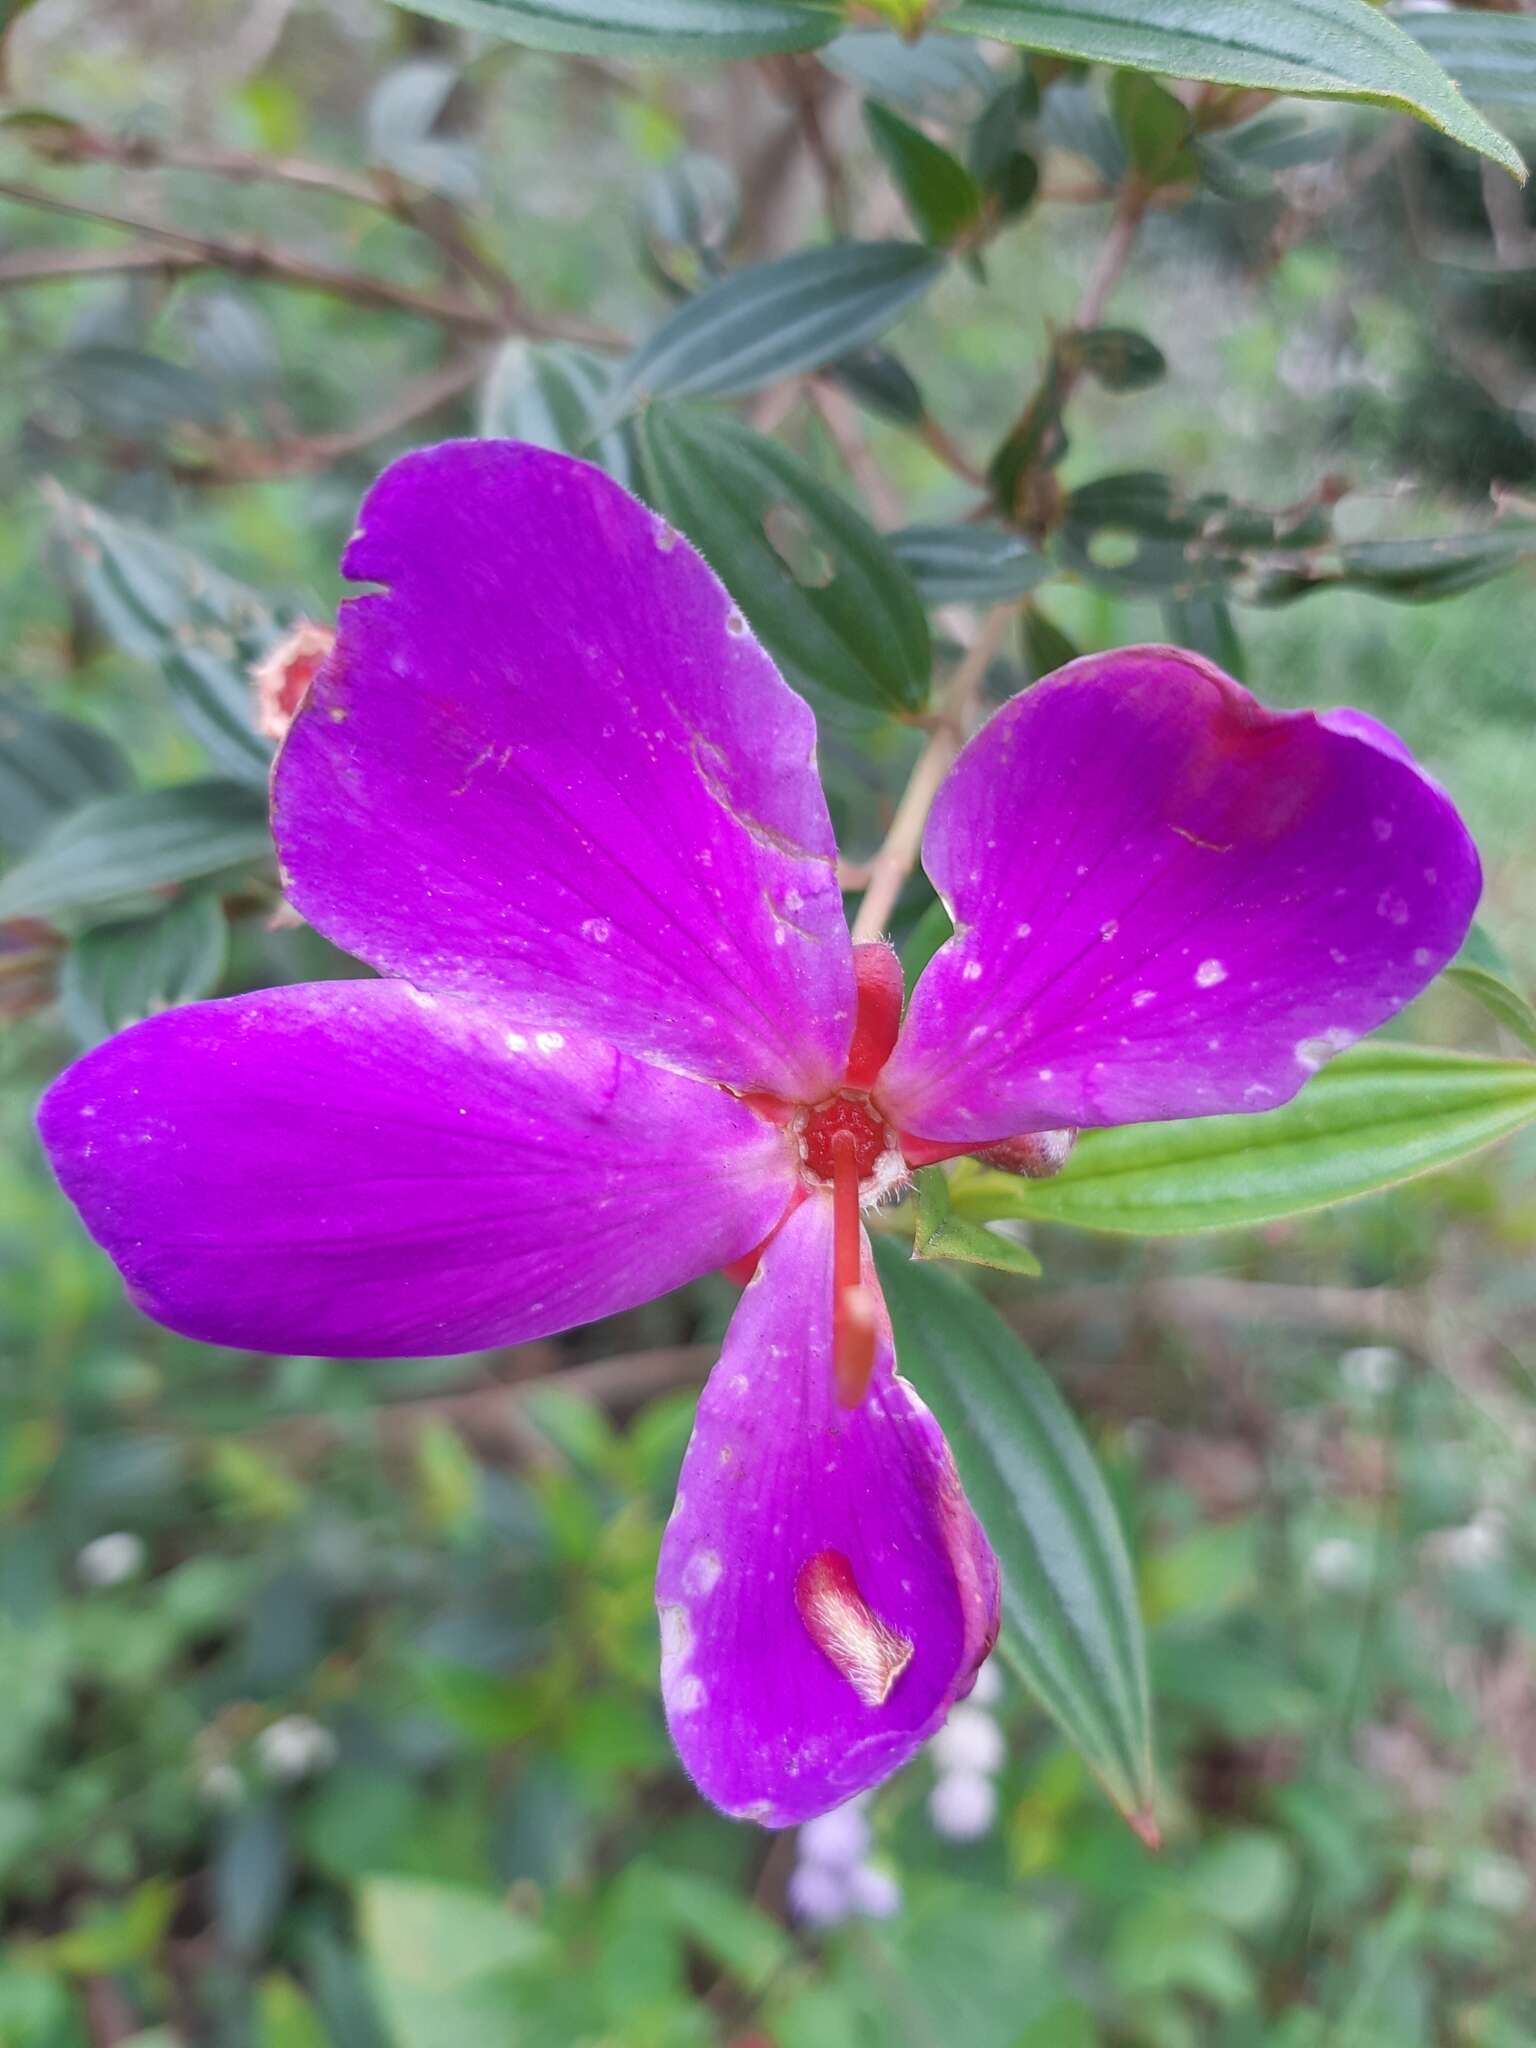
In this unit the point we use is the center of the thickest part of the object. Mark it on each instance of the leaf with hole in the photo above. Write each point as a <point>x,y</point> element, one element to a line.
<point>1380,1114</point>
<point>1071,1628</point>
<point>776,320</point>
<point>818,585</point>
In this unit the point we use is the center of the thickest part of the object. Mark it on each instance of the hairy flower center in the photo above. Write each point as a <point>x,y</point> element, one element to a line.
<point>846,1112</point>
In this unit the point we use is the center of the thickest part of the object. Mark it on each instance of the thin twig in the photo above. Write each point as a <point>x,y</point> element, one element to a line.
<point>897,857</point>
<point>841,419</point>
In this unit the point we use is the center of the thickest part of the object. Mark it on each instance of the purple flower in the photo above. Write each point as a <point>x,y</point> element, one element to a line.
<point>550,786</point>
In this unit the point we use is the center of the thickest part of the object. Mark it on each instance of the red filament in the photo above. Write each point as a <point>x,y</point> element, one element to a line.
<point>853,1307</point>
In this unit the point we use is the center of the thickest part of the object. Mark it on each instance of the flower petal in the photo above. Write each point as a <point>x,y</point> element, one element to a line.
<point>1168,902</point>
<point>550,765</point>
<point>825,1592</point>
<point>355,1169</point>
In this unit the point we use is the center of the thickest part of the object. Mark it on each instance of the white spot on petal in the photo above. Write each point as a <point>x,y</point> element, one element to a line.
<point>1392,907</point>
<point>1208,973</point>
<point>548,1041</point>
<point>971,971</point>
<point>702,1573</point>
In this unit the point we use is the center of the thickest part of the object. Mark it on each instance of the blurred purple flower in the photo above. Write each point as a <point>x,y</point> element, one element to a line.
<point>550,786</point>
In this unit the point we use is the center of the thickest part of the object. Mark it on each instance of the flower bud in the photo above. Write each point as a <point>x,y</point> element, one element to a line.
<point>962,1805</point>
<point>1037,1155</point>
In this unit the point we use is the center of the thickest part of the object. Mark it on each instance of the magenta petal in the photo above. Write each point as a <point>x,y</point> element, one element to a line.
<point>825,1592</point>
<point>356,1169</point>
<point>1168,902</point>
<point>550,765</point>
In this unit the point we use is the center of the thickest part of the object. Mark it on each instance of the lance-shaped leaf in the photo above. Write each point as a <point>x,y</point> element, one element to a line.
<point>1412,571</point>
<point>114,974</point>
<point>1482,970</point>
<point>160,603</point>
<point>48,765</point>
<point>940,193</point>
<point>552,394</point>
<point>936,75</point>
<point>943,1233</point>
<point>777,320</point>
<point>120,846</point>
<point>1378,1115</point>
<point>818,585</point>
<point>669,30</point>
<point>1070,1623</point>
<point>983,564</point>
<point>1322,49</point>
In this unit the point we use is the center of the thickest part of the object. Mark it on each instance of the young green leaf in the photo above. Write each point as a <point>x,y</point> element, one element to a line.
<point>942,197</point>
<point>114,974</point>
<point>1378,1115</point>
<point>776,320</point>
<point>1321,49</point>
<point>1070,1624</point>
<point>120,846</point>
<point>941,1233</point>
<point>818,585</point>
<point>1155,127</point>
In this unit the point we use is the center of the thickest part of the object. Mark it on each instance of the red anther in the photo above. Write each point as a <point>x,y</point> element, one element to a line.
<point>877,972</point>
<point>853,1308</point>
<point>928,1151</point>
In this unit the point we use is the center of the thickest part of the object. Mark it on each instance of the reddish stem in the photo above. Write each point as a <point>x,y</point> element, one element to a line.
<point>853,1313</point>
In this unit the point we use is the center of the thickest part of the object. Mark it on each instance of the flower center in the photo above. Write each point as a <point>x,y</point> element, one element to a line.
<point>848,1114</point>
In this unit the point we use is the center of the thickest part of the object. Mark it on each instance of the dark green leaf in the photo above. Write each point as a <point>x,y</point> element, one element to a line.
<point>818,585</point>
<point>1154,126</point>
<point>941,1233</point>
<point>1116,357</point>
<point>1327,49</point>
<point>924,940</point>
<point>883,383</point>
<point>121,846</point>
<point>689,210</point>
<point>983,564</point>
<point>937,75</point>
<point>663,30</point>
<point>1412,571</point>
<point>942,197</point>
<point>136,396</point>
<point>996,137</point>
<point>1492,57</point>
<point>777,320</point>
<point>1046,647</point>
<point>48,765</point>
<point>114,974</point>
<point>1070,1624</point>
<point>551,393</point>
<point>1378,1115</point>
<point>162,604</point>
<point>252,1873</point>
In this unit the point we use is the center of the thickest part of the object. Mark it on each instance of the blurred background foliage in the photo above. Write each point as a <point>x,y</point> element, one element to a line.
<point>330,1708</point>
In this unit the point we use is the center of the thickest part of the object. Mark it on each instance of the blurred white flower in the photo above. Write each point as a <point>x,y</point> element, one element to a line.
<point>836,1841</point>
<point>1371,1368</point>
<point>295,1747</point>
<point>109,1560</point>
<point>1340,1563</point>
<point>1496,1883</point>
<point>988,1689</point>
<point>1475,1543</point>
<point>221,1785</point>
<point>817,1895</point>
<point>873,1892</point>
<point>962,1805</point>
<point>970,1740</point>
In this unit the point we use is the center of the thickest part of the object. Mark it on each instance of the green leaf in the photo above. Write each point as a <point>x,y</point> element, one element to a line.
<point>162,604</point>
<point>120,846</point>
<point>1046,647</point>
<point>1155,127</point>
<point>937,75</point>
<point>1070,1624</point>
<point>942,1234</point>
<point>48,765</point>
<point>114,974</point>
<point>446,1962</point>
<point>1320,49</point>
<point>552,394</point>
<point>1412,571</point>
<point>1204,623</point>
<point>942,197</point>
<point>661,30</point>
<point>931,931</point>
<point>1482,970</point>
<point>1378,1115</point>
<point>881,382</point>
<point>1116,357</point>
<point>777,320</point>
<point>1492,57</point>
<point>816,582</point>
<point>982,564</point>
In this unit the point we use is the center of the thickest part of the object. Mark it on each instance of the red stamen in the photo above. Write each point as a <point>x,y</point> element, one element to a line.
<point>853,1310</point>
<point>929,1151</point>
<point>877,972</point>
